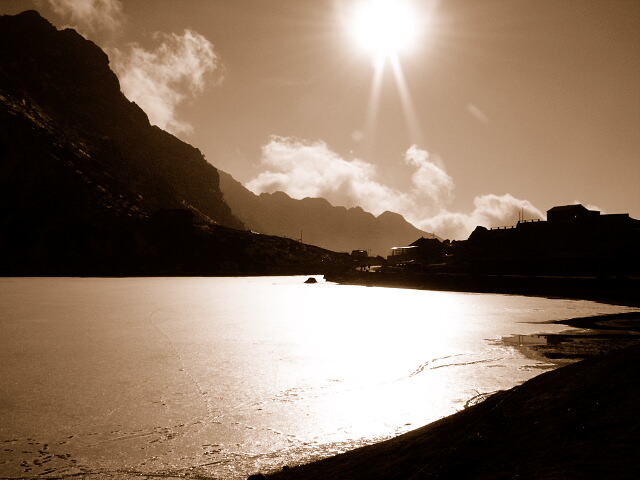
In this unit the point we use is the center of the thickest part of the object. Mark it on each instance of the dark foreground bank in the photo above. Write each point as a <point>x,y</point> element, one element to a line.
<point>579,421</point>
<point>617,290</point>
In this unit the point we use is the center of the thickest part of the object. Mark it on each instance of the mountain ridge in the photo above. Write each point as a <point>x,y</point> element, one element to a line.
<point>317,221</point>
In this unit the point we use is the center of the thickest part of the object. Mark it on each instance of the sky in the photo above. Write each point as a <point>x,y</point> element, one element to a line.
<point>453,113</point>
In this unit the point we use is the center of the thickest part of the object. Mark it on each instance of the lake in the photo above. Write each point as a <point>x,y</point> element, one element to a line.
<point>228,376</point>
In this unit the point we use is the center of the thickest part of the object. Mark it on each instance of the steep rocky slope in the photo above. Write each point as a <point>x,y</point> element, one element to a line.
<point>58,87</point>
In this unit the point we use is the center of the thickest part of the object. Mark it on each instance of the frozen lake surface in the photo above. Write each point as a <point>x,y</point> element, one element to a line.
<point>228,376</point>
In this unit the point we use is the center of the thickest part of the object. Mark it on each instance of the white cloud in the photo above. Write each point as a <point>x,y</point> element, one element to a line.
<point>304,169</point>
<point>90,15</point>
<point>429,179</point>
<point>160,80</point>
<point>489,211</point>
<point>590,206</point>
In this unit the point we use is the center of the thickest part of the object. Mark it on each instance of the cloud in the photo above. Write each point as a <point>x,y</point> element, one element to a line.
<point>162,79</point>
<point>489,211</point>
<point>429,179</point>
<point>303,169</point>
<point>90,15</point>
<point>311,169</point>
<point>590,206</point>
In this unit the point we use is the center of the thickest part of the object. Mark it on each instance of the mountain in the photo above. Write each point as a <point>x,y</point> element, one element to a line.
<point>89,187</point>
<point>318,222</point>
<point>62,84</point>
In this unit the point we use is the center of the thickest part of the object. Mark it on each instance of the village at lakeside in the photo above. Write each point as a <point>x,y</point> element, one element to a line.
<point>576,253</point>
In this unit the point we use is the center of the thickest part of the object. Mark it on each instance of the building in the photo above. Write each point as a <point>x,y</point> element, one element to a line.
<point>572,241</point>
<point>570,213</point>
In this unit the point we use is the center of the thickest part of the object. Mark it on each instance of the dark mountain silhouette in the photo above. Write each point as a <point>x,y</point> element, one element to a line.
<point>317,221</point>
<point>61,84</point>
<point>88,186</point>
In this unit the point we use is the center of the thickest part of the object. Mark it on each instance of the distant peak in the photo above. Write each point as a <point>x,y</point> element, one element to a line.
<point>390,215</point>
<point>317,201</point>
<point>279,193</point>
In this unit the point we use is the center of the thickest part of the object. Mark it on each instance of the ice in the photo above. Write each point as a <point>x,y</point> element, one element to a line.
<point>228,376</point>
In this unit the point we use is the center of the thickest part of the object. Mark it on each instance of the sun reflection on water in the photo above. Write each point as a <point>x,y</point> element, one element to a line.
<point>367,344</point>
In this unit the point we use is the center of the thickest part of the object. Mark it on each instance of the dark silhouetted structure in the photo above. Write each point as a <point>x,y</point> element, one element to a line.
<point>572,241</point>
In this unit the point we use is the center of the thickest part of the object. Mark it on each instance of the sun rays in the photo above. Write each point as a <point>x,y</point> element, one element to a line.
<point>387,30</point>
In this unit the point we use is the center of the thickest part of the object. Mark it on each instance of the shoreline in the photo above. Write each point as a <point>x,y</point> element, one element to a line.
<point>613,290</point>
<point>598,335</point>
<point>571,422</point>
<point>578,421</point>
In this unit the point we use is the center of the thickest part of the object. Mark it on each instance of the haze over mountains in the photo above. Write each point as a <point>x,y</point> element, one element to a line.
<point>87,181</point>
<point>318,222</point>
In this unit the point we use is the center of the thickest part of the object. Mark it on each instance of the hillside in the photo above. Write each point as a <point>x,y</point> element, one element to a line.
<point>61,84</point>
<point>90,187</point>
<point>317,221</point>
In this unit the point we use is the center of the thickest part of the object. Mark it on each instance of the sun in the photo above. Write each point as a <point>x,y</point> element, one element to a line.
<point>384,28</point>
<point>388,30</point>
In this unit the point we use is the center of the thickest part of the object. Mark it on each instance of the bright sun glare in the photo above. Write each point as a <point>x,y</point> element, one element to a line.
<point>384,27</point>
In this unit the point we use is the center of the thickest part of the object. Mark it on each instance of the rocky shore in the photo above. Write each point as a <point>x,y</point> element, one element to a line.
<point>578,421</point>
